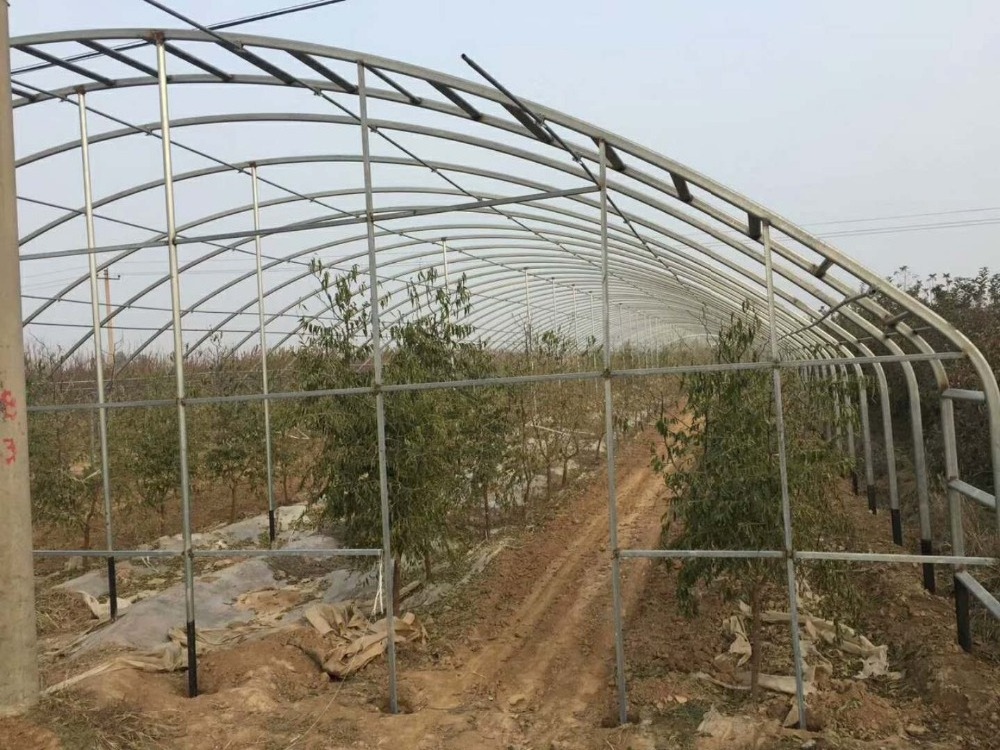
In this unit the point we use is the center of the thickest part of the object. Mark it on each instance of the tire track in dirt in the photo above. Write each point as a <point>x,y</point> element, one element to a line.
<point>556,653</point>
<point>534,615</point>
<point>537,661</point>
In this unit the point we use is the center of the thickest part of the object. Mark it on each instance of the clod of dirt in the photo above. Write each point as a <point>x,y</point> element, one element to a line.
<point>718,732</point>
<point>516,699</point>
<point>867,716</point>
<point>271,665</point>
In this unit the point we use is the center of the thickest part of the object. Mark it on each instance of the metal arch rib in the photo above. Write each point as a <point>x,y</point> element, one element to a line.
<point>678,173</point>
<point>221,169</point>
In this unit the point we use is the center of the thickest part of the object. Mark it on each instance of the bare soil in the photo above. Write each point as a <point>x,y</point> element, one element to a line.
<point>523,657</point>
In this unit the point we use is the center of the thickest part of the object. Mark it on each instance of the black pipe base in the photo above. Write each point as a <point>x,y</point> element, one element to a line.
<point>112,589</point>
<point>929,581</point>
<point>871,499</point>
<point>192,661</point>
<point>897,526</point>
<point>272,527</point>
<point>962,622</point>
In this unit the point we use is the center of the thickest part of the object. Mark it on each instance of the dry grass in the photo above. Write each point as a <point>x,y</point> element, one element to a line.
<point>82,725</point>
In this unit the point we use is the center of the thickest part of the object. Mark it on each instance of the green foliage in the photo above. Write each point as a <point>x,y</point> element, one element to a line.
<point>65,471</point>
<point>720,457</point>
<point>425,430</point>
<point>971,304</point>
<point>153,457</point>
<point>235,451</point>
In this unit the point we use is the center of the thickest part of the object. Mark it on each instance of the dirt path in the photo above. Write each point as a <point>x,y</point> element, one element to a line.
<point>541,655</point>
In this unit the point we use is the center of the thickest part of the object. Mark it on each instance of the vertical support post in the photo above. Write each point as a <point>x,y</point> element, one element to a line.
<point>555,325</point>
<point>576,320</point>
<point>95,316</point>
<point>383,475</point>
<point>961,593</point>
<point>838,426</point>
<point>920,471</point>
<point>444,260</point>
<point>609,436</point>
<point>866,437</point>
<point>786,504</point>
<point>111,320</point>
<point>852,451</point>
<point>527,330</point>
<point>18,654</point>
<point>272,526</point>
<point>178,342</point>
<point>890,447</point>
<point>823,378</point>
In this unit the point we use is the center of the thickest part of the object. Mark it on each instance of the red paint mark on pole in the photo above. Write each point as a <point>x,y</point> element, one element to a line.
<point>11,451</point>
<point>8,406</point>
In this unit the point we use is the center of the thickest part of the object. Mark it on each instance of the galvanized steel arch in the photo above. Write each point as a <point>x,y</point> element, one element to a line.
<point>455,89</point>
<point>661,273</point>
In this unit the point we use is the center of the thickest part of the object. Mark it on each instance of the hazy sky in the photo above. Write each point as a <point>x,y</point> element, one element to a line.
<point>825,111</point>
<point>843,116</point>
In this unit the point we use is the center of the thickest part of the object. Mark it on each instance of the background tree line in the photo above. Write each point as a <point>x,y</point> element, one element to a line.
<point>461,462</point>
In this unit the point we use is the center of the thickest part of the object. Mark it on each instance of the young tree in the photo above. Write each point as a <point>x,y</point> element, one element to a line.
<point>234,454</point>
<point>720,459</point>
<point>423,428</point>
<point>66,480</point>
<point>154,457</point>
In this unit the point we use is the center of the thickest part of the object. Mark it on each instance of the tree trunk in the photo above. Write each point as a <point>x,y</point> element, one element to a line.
<point>597,452</point>
<point>428,568</point>
<point>565,471</point>
<point>548,478</point>
<point>86,537</point>
<point>755,628</point>
<point>232,503</point>
<point>397,582</point>
<point>89,521</point>
<point>486,508</point>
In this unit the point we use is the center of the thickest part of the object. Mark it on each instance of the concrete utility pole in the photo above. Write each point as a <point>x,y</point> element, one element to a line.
<point>111,322</point>
<point>18,665</point>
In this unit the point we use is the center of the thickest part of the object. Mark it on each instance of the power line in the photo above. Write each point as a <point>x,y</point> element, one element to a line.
<point>904,216</point>
<point>913,228</point>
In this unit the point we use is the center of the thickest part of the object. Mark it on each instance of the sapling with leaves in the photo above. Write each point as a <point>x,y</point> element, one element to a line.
<point>66,479</point>
<point>154,457</point>
<point>427,341</point>
<point>719,456</point>
<point>234,453</point>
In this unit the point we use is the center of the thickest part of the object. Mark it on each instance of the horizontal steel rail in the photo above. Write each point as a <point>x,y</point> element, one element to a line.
<point>961,394</point>
<point>487,382</point>
<point>974,493</point>
<point>854,557</point>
